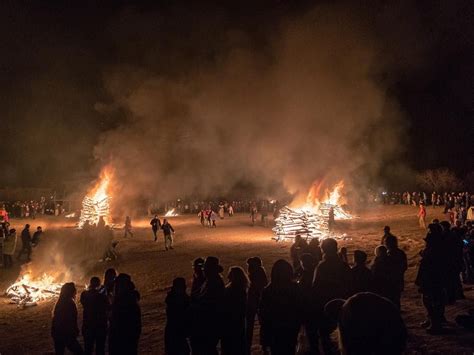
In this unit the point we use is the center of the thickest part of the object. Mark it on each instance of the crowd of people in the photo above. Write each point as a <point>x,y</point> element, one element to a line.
<point>9,242</point>
<point>31,208</point>
<point>110,312</point>
<point>298,307</point>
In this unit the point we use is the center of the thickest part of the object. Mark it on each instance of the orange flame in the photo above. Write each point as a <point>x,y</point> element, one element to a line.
<point>331,196</point>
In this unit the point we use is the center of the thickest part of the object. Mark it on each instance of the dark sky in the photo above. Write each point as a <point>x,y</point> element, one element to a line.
<point>56,54</point>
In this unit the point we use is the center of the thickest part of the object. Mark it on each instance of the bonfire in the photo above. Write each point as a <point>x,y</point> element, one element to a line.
<point>27,292</point>
<point>96,204</point>
<point>311,219</point>
<point>171,213</point>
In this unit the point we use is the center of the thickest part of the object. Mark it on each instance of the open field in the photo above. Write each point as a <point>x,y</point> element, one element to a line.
<point>26,331</point>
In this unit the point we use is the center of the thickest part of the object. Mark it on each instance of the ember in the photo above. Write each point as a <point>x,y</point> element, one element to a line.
<point>96,203</point>
<point>26,292</point>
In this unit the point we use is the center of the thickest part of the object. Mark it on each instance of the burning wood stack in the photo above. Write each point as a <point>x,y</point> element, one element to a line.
<point>92,210</point>
<point>96,203</point>
<point>26,292</point>
<point>306,223</point>
<point>312,219</point>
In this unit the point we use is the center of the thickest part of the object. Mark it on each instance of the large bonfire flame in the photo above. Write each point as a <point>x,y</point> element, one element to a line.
<point>96,203</point>
<point>310,219</point>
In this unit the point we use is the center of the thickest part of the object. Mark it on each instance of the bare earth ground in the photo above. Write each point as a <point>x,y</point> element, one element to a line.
<point>26,331</point>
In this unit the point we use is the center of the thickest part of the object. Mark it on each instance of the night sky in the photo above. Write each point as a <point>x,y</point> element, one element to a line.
<point>56,105</point>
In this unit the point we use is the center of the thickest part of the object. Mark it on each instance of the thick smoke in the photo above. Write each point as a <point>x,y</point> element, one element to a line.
<point>305,104</point>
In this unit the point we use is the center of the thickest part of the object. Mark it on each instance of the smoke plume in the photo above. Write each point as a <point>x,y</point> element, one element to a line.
<point>302,102</point>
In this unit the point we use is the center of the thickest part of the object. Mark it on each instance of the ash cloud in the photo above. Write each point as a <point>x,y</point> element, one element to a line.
<point>301,102</point>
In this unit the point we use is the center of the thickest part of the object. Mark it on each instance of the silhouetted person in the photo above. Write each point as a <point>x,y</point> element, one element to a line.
<point>25,242</point>
<point>398,263</point>
<point>384,284</point>
<point>234,308</point>
<point>298,248</point>
<point>36,236</point>
<point>331,219</point>
<point>361,276</point>
<point>331,281</point>
<point>177,319</point>
<point>258,282</point>
<point>64,329</point>
<point>101,223</point>
<point>386,233</point>
<point>155,225</point>
<point>94,320</point>
<point>314,249</point>
<point>368,324</point>
<point>281,310</point>
<point>453,240</point>
<point>125,322</point>
<point>207,310</point>
<point>167,234</point>
<point>128,227</point>
<point>431,278</point>
<point>198,277</point>
<point>107,289</point>
<point>343,255</point>
<point>305,284</point>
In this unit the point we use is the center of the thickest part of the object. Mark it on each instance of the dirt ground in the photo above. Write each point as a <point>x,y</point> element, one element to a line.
<point>27,331</point>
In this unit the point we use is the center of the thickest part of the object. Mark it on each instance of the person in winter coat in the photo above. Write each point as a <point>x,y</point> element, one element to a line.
<point>167,233</point>
<point>207,310</point>
<point>431,279</point>
<point>64,329</point>
<point>382,273</point>
<point>281,310</point>
<point>258,282</point>
<point>331,281</point>
<point>125,322</point>
<point>155,225</point>
<point>94,320</point>
<point>234,308</point>
<point>379,331</point>
<point>9,246</point>
<point>361,276</point>
<point>25,243</point>
<point>198,277</point>
<point>177,319</point>
<point>398,263</point>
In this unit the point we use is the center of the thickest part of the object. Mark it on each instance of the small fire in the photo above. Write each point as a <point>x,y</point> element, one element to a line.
<point>27,292</point>
<point>96,203</point>
<point>171,213</point>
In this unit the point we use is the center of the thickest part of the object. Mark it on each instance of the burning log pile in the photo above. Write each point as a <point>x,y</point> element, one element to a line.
<point>292,222</point>
<point>93,209</point>
<point>312,219</point>
<point>26,292</point>
<point>96,204</point>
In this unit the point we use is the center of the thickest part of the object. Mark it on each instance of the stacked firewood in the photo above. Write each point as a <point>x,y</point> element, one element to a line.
<point>308,224</point>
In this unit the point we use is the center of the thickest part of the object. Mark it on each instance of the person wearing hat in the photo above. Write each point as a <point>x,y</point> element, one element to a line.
<point>206,327</point>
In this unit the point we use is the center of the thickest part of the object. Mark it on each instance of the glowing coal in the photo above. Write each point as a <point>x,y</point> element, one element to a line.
<point>27,292</point>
